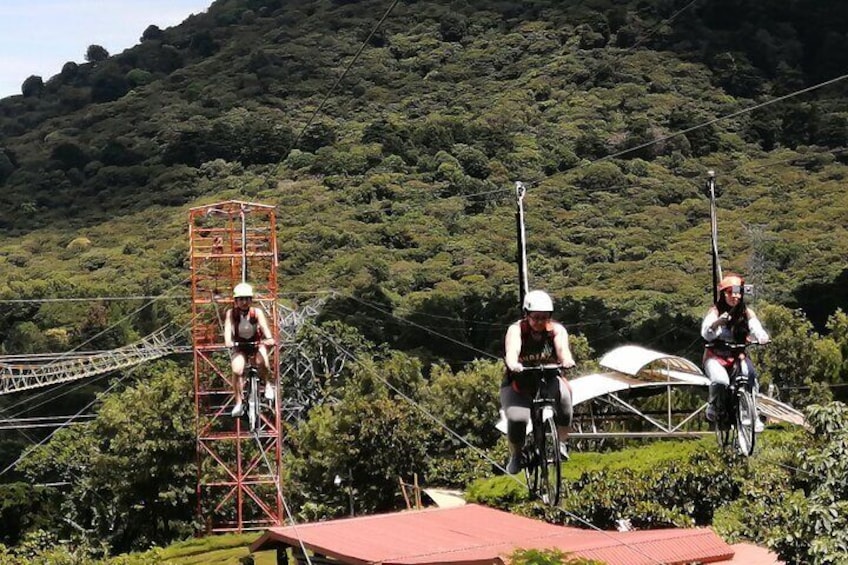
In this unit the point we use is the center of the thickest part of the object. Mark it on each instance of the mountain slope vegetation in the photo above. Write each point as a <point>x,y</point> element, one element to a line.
<point>401,185</point>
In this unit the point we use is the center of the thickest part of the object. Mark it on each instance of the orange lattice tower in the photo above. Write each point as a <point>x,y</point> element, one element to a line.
<point>238,470</point>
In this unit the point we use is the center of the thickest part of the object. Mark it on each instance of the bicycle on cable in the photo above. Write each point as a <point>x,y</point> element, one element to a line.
<point>541,452</point>
<point>736,416</point>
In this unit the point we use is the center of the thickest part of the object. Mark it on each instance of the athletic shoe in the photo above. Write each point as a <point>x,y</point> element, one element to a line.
<point>269,392</point>
<point>238,410</point>
<point>563,449</point>
<point>758,426</point>
<point>711,413</point>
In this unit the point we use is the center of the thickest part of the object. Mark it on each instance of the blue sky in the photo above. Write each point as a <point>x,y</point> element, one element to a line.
<point>37,37</point>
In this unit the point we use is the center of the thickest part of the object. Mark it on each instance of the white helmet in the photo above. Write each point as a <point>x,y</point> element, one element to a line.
<point>243,290</point>
<point>538,301</point>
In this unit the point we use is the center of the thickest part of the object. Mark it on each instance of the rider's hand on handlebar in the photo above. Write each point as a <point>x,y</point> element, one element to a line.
<point>269,341</point>
<point>515,367</point>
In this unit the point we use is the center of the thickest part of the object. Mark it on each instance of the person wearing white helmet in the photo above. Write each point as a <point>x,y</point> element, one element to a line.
<point>246,332</point>
<point>536,339</point>
<point>729,321</point>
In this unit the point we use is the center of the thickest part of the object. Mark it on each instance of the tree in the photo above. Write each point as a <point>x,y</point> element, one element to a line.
<point>23,508</point>
<point>132,470</point>
<point>33,86</point>
<point>109,84</point>
<point>371,437</point>
<point>453,27</point>
<point>811,527</point>
<point>798,357</point>
<point>96,53</point>
<point>152,32</point>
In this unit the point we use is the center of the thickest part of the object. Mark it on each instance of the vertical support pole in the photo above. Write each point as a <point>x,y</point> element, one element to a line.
<point>711,191</point>
<point>523,285</point>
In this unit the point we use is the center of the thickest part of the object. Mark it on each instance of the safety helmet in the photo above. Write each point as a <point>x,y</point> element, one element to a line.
<point>538,301</point>
<point>243,290</point>
<point>730,281</point>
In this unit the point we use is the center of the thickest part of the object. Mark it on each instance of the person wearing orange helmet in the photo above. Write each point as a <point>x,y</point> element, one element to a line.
<point>536,339</point>
<point>247,333</point>
<point>729,321</point>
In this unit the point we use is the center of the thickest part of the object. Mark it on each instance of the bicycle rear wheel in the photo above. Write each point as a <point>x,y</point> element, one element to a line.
<point>746,415</point>
<point>551,465</point>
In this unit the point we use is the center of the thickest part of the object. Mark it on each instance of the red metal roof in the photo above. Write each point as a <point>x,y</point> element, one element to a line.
<point>473,534</point>
<point>747,554</point>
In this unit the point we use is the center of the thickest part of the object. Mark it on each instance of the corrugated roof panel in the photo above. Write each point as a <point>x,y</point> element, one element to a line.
<point>477,534</point>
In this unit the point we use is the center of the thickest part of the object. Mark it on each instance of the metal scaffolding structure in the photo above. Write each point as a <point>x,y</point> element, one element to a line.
<point>238,470</point>
<point>19,373</point>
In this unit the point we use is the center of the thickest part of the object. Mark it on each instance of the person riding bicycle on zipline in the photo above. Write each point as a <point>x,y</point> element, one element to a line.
<point>534,340</point>
<point>246,332</point>
<point>729,321</point>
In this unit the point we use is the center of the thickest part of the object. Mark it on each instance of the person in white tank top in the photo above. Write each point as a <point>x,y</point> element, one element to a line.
<point>247,334</point>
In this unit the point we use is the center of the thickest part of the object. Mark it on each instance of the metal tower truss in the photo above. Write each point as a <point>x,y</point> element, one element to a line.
<point>238,470</point>
<point>306,366</point>
<point>18,373</point>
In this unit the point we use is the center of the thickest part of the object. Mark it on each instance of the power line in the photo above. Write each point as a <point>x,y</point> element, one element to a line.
<point>725,117</point>
<point>344,73</point>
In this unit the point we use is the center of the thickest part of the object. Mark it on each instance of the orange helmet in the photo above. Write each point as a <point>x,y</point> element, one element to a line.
<point>730,281</point>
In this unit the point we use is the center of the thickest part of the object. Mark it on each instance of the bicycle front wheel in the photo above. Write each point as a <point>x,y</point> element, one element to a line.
<point>253,402</point>
<point>746,415</point>
<point>551,465</point>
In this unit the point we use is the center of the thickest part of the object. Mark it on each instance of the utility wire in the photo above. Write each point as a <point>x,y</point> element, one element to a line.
<point>344,73</point>
<point>725,117</point>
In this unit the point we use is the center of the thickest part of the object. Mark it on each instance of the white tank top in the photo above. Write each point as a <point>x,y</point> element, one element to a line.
<point>245,330</point>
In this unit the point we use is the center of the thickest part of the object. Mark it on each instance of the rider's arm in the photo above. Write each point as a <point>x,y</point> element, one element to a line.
<point>561,348</point>
<point>712,324</point>
<point>228,328</point>
<point>512,346</point>
<point>756,328</point>
<point>267,336</point>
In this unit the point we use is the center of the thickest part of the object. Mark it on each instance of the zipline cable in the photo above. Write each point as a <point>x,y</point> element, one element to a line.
<point>722,118</point>
<point>344,73</point>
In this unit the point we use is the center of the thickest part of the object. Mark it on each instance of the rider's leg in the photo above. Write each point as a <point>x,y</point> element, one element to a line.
<point>517,410</point>
<point>264,365</point>
<point>238,363</point>
<point>564,416</point>
<point>718,384</point>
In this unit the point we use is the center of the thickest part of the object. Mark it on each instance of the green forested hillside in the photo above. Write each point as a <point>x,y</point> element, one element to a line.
<point>401,187</point>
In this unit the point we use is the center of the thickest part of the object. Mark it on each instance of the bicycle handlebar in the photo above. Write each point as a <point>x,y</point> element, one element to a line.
<point>734,346</point>
<point>545,367</point>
